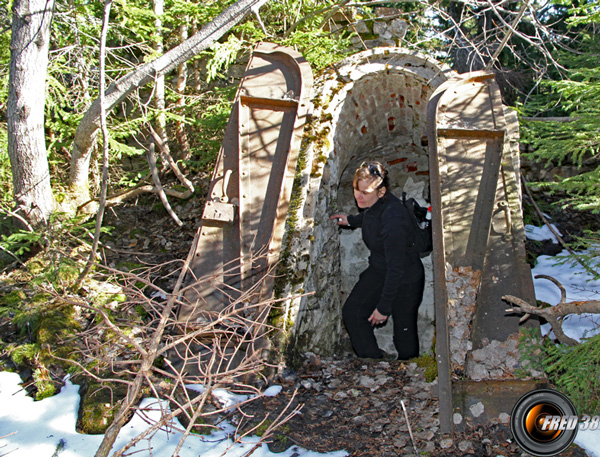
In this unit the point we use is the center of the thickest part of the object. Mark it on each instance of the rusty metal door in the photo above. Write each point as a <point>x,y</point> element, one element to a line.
<point>242,226</point>
<point>477,221</point>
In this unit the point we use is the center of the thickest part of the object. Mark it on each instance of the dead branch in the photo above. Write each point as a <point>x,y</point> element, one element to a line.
<point>554,314</point>
<point>510,31</point>
<point>134,390</point>
<point>105,145</point>
<point>277,423</point>
<point>120,197</point>
<point>158,185</point>
<point>166,155</point>
<point>125,352</point>
<point>563,119</point>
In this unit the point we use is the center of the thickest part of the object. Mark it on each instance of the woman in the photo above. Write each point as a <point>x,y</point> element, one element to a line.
<point>394,280</point>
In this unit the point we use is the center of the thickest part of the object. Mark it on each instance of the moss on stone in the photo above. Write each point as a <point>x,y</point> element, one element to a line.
<point>99,404</point>
<point>12,299</point>
<point>22,353</point>
<point>428,362</point>
<point>43,383</point>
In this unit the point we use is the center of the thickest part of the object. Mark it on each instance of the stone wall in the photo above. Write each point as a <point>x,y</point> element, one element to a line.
<point>371,106</point>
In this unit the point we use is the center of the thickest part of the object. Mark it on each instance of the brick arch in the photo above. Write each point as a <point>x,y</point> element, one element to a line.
<point>371,106</point>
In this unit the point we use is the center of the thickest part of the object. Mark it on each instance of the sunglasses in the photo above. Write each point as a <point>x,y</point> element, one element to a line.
<point>372,169</point>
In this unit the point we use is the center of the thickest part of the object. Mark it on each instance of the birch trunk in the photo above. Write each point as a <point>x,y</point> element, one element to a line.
<point>182,139</point>
<point>159,85</point>
<point>25,109</point>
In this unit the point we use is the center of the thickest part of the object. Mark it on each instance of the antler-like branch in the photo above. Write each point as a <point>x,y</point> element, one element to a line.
<point>554,314</point>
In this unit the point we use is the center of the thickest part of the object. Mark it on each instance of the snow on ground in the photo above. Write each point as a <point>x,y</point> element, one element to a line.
<point>579,286</point>
<point>47,428</point>
<point>541,233</point>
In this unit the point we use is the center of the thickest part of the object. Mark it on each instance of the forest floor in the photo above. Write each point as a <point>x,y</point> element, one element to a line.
<point>360,406</point>
<point>346,403</point>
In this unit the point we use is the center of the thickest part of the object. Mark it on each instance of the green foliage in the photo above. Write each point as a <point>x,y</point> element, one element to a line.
<point>428,362</point>
<point>318,48</point>
<point>5,25</point>
<point>21,354</point>
<point>207,129</point>
<point>577,97</point>
<point>587,12</point>
<point>250,32</point>
<point>11,301</point>
<point>531,350</point>
<point>61,235</point>
<point>575,371</point>
<point>224,54</point>
<point>21,242</point>
<point>202,12</point>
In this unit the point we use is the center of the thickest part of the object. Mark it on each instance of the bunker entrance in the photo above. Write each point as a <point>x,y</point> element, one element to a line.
<point>443,138</point>
<point>371,107</point>
<point>390,109</point>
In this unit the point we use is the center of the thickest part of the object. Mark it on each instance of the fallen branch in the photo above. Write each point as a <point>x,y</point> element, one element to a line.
<point>563,119</point>
<point>158,185</point>
<point>135,388</point>
<point>224,351</point>
<point>554,314</point>
<point>120,197</point>
<point>166,155</point>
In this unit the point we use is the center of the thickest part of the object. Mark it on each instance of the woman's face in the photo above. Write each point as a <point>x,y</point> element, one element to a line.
<point>367,194</point>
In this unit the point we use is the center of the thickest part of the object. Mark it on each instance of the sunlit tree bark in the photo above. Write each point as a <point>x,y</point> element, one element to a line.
<point>25,110</point>
<point>159,85</point>
<point>182,139</point>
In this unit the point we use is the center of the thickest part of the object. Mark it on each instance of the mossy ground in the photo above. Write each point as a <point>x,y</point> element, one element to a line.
<point>99,404</point>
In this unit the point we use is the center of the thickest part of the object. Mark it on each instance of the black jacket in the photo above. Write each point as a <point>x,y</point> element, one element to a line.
<point>389,235</point>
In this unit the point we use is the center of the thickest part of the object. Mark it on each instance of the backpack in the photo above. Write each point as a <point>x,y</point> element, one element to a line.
<point>422,225</point>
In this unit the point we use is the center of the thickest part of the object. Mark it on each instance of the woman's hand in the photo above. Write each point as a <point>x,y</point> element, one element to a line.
<point>377,318</point>
<point>341,219</point>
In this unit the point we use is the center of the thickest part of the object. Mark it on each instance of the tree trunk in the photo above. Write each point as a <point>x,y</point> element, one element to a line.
<point>159,85</point>
<point>87,130</point>
<point>25,109</point>
<point>182,139</point>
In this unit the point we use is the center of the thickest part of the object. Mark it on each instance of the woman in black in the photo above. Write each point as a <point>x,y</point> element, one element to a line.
<point>394,280</point>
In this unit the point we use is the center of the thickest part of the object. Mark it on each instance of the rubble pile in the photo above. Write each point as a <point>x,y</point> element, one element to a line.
<point>462,297</point>
<point>499,360</point>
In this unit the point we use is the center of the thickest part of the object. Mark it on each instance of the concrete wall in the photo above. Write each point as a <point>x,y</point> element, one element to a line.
<point>370,107</point>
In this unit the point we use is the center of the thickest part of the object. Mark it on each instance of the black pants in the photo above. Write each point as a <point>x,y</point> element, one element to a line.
<point>362,302</point>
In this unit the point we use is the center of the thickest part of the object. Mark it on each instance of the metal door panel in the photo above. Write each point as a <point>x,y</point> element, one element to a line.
<point>477,220</point>
<point>253,175</point>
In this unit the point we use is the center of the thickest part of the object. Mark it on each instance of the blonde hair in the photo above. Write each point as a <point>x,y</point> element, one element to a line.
<point>373,172</point>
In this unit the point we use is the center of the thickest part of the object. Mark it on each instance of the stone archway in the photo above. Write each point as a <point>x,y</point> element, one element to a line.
<point>372,106</point>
